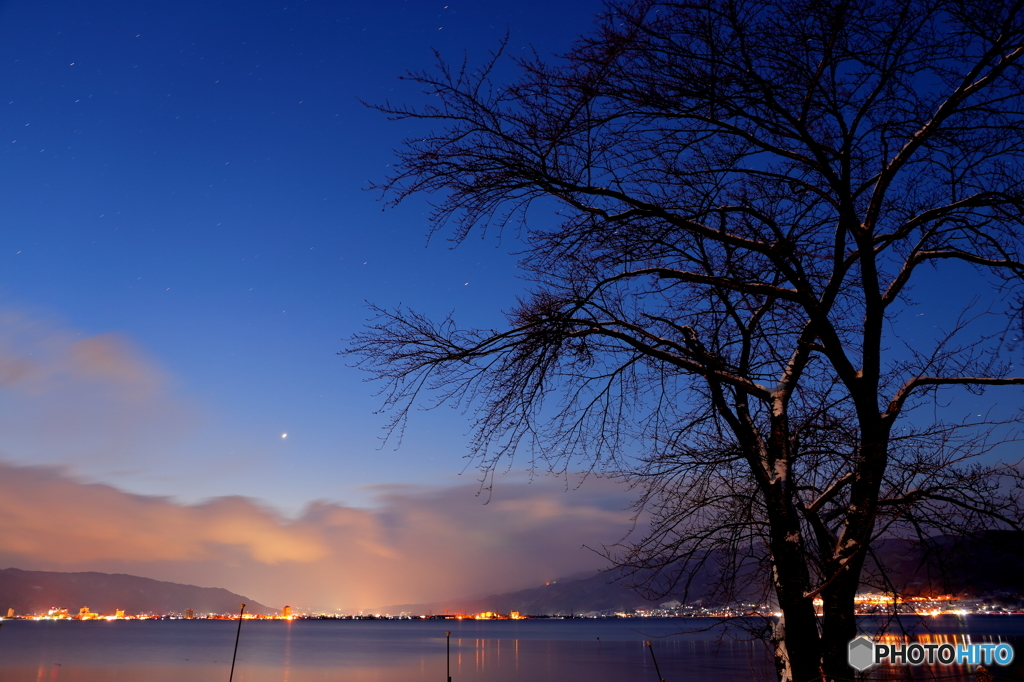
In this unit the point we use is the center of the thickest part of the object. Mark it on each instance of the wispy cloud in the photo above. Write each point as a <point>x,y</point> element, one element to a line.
<point>418,544</point>
<point>66,396</point>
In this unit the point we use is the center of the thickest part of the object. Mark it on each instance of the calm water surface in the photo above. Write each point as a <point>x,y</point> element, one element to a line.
<point>409,651</point>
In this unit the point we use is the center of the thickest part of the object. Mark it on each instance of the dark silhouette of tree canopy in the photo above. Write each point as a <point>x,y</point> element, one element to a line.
<point>719,310</point>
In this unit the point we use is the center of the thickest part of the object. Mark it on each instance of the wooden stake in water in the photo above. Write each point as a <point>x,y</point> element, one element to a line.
<point>660,678</point>
<point>238,633</point>
<point>448,654</point>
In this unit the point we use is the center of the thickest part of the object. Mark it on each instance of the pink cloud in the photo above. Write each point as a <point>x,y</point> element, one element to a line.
<point>417,545</point>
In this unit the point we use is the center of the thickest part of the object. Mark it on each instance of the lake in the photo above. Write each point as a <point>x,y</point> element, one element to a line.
<point>409,651</point>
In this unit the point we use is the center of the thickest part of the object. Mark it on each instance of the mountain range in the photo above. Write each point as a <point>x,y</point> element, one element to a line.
<point>987,565</point>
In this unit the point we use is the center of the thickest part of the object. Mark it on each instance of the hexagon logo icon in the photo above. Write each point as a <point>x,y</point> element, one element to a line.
<point>861,653</point>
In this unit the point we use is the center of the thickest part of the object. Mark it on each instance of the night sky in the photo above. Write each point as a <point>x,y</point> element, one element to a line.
<point>188,235</point>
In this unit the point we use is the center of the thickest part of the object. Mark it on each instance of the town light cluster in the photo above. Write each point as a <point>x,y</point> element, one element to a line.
<point>84,613</point>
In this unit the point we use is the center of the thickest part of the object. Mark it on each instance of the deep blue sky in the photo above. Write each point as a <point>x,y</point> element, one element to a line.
<point>191,178</point>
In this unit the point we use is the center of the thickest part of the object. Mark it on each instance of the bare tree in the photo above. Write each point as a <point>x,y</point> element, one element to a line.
<point>746,191</point>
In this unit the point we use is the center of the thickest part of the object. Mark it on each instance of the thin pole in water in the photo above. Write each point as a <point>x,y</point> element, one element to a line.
<point>660,678</point>
<point>238,634</point>
<point>448,654</point>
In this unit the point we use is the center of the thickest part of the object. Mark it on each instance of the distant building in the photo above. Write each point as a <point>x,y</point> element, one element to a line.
<point>10,612</point>
<point>119,613</point>
<point>190,614</point>
<point>286,612</point>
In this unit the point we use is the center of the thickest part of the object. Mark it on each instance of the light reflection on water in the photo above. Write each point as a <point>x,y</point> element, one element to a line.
<point>286,664</point>
<point>362,651</point>
<point>405,651</point>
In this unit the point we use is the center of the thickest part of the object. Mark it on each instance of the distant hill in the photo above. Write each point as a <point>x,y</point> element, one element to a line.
<point>29,592</point>
<point>574,595</point>
<point>988,565</point>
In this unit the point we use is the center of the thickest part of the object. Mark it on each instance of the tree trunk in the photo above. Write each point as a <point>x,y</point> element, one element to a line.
<point>797,642</point>
<point>839,622</point>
